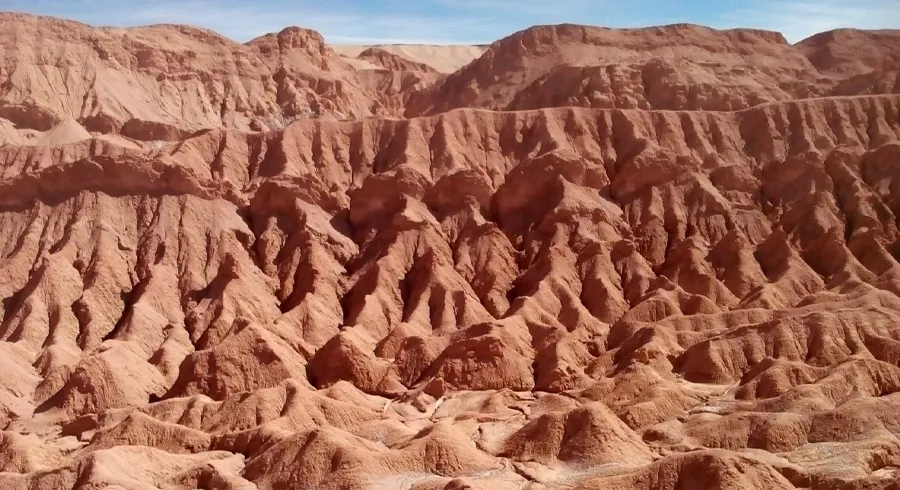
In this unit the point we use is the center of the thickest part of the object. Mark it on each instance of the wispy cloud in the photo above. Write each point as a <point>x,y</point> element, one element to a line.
<point>799,19</point>
<point>339,24</point>
<point>466,21</point>
<point>358,21</point>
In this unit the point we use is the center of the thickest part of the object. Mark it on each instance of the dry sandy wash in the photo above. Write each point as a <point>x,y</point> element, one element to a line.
<point>651,259</point>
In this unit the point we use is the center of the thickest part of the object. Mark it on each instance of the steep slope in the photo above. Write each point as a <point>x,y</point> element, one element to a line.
<point>676,67</point>
<point>861,61</point>
<point>165,82</point>
<point>442,58</point>
<point>417,266</point>
<point>551,298</point>
<point>854,52</point>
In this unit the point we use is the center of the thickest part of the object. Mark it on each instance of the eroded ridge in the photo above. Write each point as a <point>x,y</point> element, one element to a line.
<point>561,297</point>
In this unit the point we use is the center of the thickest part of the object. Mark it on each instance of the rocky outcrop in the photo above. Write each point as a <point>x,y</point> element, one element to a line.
<point>590,296</point>
<point>676,67</point>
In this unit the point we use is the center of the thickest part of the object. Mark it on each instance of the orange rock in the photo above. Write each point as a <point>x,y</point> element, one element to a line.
<point>650,258</point>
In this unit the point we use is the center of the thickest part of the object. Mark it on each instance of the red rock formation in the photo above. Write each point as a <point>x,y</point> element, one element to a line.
<point>676,67</point>
<point>606,294</point>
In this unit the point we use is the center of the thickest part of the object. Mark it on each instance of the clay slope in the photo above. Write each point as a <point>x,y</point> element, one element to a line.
<point>858,61</point>
<point>554,298</point>
<point>676,67</point>
<point>164,82</point>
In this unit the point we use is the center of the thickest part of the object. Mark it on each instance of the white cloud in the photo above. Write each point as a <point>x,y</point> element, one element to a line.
<point>799,19</point>
<point>467,21</point>
<point>243,20</point>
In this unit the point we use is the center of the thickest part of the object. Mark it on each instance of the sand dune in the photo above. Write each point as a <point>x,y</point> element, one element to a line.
<point>66,132</point>
<point>444,59</point>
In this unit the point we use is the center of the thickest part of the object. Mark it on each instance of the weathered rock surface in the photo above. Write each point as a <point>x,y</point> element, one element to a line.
<point>676,67</point>
<point>553,293</point>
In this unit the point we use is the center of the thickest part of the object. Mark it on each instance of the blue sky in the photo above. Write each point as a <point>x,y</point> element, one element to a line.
<point>466,21</point>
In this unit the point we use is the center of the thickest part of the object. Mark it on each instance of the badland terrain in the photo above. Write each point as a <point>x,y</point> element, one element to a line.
<point>661,258</point>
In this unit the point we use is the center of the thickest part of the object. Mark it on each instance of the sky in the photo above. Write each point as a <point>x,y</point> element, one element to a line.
<point>465,21</point>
